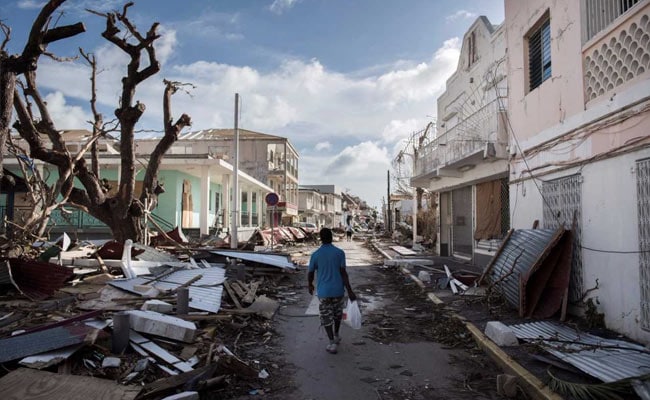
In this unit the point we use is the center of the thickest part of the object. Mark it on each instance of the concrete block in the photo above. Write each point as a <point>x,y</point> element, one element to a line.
<point>183,396</point>
<point>162,325</point>
<point>158,306</point>
<point>111,362</point>
<point>500,334</point>
<point>424,276</point>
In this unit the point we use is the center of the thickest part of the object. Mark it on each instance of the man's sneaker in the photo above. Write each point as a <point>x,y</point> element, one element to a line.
<point>331,348</point>
<point>337,339</point>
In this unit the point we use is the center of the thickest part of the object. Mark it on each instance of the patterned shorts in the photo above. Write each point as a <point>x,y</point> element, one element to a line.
<point>331,309</point>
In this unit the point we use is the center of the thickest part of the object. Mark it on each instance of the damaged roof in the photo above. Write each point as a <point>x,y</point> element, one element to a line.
<point>205,294</point>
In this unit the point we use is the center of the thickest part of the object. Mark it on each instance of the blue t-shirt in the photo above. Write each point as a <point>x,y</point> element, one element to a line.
<point>328,261</point>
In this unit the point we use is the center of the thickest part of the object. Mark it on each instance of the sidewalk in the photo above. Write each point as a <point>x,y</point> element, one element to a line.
<point>533,386</point>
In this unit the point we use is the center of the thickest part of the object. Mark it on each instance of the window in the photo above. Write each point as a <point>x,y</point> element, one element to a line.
<point>539,53</point>
<point>471,49</point>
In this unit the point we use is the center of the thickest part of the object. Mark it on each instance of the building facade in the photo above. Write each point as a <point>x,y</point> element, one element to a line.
<point>466,163</point>
<point>269,159</point>
<point>198,189</point>
<point>330,211</point>
<point>579,119</point>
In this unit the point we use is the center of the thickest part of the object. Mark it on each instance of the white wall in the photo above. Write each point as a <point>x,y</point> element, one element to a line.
<point>609,222</point>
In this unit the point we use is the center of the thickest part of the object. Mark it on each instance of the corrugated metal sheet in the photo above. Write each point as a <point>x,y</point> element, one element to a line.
<point>205,294</point>
<point>522,250</point>
<point>606,359</point>
<point>36,279</point>
<point>29,344</point>
<point>275,260</point>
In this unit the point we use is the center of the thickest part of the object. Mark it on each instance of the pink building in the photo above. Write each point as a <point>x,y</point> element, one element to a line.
<point>579,126</point>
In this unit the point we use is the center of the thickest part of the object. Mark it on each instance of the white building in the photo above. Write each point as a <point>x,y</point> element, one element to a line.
<point>467,161</point>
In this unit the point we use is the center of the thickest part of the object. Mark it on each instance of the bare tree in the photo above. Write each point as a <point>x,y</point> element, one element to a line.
<point>123,210</point>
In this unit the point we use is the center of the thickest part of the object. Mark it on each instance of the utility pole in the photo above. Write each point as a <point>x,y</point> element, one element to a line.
<point>235,212</point>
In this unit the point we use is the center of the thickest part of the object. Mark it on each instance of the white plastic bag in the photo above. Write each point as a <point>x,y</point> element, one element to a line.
<point>352,315</point>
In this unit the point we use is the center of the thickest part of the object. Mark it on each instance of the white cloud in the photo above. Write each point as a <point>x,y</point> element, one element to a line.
<point>66,116</point>
<point>213,26</point>
<point>302,100</point>
<point>166,45</point>
<point>280,6</point>
<point>31,4</point>
<point>460,14</point>
<point>359,168</point>
<point>320,146</point>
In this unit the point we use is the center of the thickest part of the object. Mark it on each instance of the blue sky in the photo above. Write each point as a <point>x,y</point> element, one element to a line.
<point>345,80</point>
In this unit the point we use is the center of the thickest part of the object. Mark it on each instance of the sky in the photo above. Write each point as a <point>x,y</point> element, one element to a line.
<point>346,81</point>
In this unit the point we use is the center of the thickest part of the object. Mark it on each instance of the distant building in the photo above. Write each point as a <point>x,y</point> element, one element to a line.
<point>269,159</point>
<point>329,212</point>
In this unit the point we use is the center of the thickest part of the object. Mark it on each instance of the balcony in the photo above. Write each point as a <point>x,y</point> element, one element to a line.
<point>477,137</point>
<point>618,48</point>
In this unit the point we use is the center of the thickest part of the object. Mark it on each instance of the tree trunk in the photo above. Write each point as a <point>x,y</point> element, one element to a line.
<point>127,228</point>
<point>7,87</point>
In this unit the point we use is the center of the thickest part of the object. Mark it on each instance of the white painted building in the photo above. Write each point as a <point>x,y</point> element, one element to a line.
<point>579,113</point>
<point>330,208</point>
<point>467,162</point>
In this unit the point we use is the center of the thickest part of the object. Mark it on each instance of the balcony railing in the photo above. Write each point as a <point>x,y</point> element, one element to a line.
<point>464,139</point>
<point>76,219</point>
<point>73,219</point>
<point>620,52</point>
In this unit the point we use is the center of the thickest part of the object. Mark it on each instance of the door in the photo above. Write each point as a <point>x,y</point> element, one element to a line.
<point>461,210</point>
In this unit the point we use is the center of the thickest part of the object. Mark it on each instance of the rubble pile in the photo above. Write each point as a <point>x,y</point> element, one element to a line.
<point>131,321</point>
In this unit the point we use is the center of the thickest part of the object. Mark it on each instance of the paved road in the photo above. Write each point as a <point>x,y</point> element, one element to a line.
<point>364,368</point>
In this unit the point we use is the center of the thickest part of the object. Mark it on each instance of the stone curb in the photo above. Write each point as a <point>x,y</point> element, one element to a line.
<point>529,382</point>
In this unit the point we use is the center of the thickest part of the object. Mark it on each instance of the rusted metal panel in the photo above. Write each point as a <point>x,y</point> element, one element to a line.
<point>520,259</point>
<point>29,344</point>
<point>36,279</point>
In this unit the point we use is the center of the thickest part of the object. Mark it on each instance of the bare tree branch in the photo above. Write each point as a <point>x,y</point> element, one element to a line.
<point>150,182</point>
<point>98,118</point>
<point>7,34</point>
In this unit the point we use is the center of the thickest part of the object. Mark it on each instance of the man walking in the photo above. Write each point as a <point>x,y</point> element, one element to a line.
<point>328,262</point>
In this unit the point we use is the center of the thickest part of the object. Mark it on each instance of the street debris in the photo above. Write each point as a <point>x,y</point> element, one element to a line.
<point>152,321</point>
<point>532,270</point>
<point>609,360</point>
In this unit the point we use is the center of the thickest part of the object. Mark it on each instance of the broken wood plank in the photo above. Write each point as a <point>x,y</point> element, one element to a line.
<point>231,293</point>
<point>158,352</point>
<point>25,383</point>
<point>453,287</point>
<point>166,386</point>
<point>490,265</point>
<point>204,317</point>
<point>101,262</point>
<point>239,288</point>
<point>250,295</point>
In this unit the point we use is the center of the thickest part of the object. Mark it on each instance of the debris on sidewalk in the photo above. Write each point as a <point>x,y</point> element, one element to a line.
<point>532,270</point>
<point>26,383</point>
<point>89,281</point>
<point>609,360</point>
